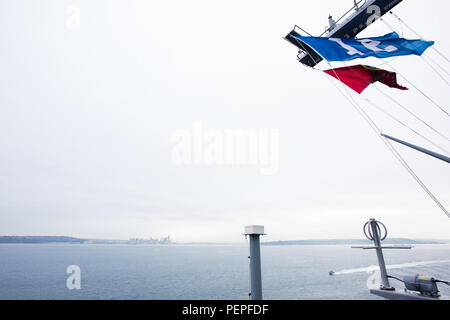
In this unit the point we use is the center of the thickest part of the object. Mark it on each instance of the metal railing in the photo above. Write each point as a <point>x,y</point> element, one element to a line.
<point>357,6</point>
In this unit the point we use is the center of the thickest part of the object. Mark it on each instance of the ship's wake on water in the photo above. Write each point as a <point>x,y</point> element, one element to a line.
<point>373,268</point>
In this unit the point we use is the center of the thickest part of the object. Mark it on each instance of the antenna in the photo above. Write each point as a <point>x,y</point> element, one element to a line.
<point>373,232</point>
<point>420,287</point>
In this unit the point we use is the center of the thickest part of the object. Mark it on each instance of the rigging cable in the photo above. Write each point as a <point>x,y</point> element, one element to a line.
<point>392,116</point>
<point>384,140</point>
<point>420,91</point>
<point>411,113</point>
<point>417,34</point>
<point>405,125</point>
<point>423,56</point>
<point>389,145</point>
<point>425,95</point>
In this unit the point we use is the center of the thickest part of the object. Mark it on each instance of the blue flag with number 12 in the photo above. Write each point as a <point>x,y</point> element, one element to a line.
<point>344,49</point>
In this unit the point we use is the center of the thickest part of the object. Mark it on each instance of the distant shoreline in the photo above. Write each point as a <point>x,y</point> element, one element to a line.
<point>351,242</point>
<point>73,240</point>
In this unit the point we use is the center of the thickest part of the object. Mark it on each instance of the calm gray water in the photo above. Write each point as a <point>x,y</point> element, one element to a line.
<point>38,271</point>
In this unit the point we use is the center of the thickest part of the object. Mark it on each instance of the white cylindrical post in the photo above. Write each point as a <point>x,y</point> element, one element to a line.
<point>254,232</point>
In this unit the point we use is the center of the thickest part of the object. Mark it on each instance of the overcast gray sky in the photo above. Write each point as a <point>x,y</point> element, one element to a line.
<point>92,94</point>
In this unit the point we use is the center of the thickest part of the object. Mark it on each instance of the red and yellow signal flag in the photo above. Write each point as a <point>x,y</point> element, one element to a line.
<point>359,77</point>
